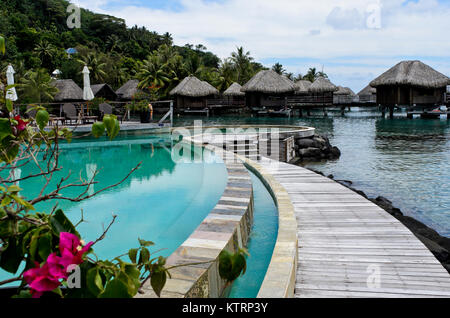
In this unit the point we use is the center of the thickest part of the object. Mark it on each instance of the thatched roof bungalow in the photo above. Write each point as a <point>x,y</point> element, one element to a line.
<point>302,87</point>
<point>321,91</point>
<point>68,91</point>
<point>344,95</point>
<point>411,83</point>
<point>234,97</point>
<point>104,91</point>
<point>193,93</point>
<point>268,89</point>
<point>129,90</point>
<point>368,95</point>
<point>234,90</point>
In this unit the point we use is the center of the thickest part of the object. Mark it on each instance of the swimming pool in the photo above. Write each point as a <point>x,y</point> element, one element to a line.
<point>164,201</point>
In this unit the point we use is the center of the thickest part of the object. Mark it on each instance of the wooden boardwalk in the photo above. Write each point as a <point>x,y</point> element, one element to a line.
<point>349,247</point>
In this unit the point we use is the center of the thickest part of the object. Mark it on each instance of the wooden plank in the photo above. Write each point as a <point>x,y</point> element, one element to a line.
<point>341,234</point>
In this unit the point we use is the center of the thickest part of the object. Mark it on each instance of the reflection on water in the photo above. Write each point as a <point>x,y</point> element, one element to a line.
<point>407,161</point>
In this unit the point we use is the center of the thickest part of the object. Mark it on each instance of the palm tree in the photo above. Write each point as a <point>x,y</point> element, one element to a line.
<point>312,75</point>
<point>278,68</point>
<point>36,87</point>
<point>225,75</point>
<point>242,63</point>
<point>194,65</point>
<point>96,66</point>
<point>45,51</point>
<point>153,75</point>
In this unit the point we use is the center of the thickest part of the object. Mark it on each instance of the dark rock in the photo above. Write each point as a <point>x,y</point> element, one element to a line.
<point>305,143</point>
<point>330,177</point>
<point>310,153</point>
<point>335,152</point>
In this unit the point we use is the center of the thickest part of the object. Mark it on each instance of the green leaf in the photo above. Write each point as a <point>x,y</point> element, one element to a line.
<point>112,126</point>
<point>5,128</point>
<point>2,45</point>
<point>158,281</point>
<point>60,223</point>
<point>145,243</point>
<point>45,245</point>
<point>11,258</point>
<point>98,129</point>
<point>94,281</point>
<point>9,105</point>
<point>6,228</point>
<point>23,294</point>
<point>42,118</point>
<point>132,254</point>
<point>144,256</point>
<point>116,289</point>
<point>231,266</point>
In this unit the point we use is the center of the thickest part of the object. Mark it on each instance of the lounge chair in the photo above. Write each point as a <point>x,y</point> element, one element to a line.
<point>106,109</point>
<point>70,113</point>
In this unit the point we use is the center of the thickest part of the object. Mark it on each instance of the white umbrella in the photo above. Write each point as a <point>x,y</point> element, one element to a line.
<point>11,94</point>
<point>87,91</point>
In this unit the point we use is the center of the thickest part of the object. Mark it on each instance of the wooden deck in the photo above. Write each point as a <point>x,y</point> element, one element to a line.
<point>346,240</point>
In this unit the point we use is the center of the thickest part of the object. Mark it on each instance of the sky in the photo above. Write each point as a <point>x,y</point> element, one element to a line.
<point>353,41</point>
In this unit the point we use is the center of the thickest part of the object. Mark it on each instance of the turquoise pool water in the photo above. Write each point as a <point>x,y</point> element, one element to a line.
<point>261,244</point>
<point>164,201</point>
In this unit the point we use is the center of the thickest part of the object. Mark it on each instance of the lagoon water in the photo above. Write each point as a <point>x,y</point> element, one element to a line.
<point>404,160</point>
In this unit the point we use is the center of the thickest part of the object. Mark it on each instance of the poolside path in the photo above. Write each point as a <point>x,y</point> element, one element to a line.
<point>350,247</point>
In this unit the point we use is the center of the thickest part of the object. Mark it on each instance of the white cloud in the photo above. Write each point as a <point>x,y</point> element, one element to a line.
<point>289,29</point>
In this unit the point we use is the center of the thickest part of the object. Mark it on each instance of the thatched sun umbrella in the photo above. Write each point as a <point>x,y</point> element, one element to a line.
<point>412,73</point>
<point>234,90</point>
<point>302,87</point>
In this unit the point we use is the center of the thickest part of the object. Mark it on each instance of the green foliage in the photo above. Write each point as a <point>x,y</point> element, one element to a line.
<point>231,266</point>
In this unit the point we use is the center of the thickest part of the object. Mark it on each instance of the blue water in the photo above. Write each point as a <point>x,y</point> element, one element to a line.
<point>406,161</point>
<point>164,201</point>
<point>261,243</point>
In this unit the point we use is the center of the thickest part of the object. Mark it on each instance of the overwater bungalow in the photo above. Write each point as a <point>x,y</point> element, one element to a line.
<point>302,87</point>
<point>234,95</point>
<point>368,95</point>
<point>322,91</point>
<point>268,89</point>
<point>343,96</point>
<point>104,91</point>
<point>411,83</point>
<point>128,91</point>
<point>193,93</point>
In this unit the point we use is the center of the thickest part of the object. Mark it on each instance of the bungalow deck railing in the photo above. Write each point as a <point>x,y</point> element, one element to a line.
<point>309,100</point>
<point>367,99</point>
<point>447,98</point>
<point>218,103</point>
<point>343,99</point>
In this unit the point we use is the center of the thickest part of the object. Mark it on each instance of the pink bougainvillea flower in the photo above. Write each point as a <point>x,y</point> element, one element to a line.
<point>21,123</point>
<point>40,280</point>
<point>55,268</point>
<point>71,249</point>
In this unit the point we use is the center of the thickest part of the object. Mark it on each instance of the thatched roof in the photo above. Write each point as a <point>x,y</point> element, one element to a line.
<point>344,91</point>
<point>68,90</point>
<point>322,85</point>
<point>98,87</point>
<point>302,86</point>
<point>412,73</point>
<point>368,90</point>
<point>234,90</point>
<point>128,90</point>
<point>269,82</point>
<point>191,86</point>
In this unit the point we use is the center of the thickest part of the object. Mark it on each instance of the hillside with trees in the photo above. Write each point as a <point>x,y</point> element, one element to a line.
<point>37,37</point>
